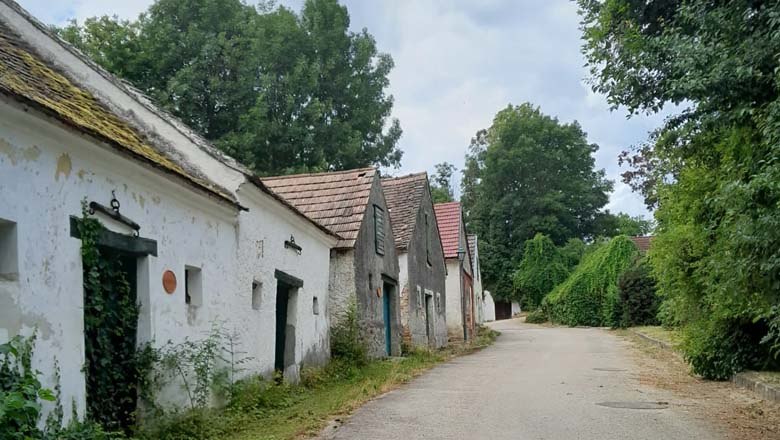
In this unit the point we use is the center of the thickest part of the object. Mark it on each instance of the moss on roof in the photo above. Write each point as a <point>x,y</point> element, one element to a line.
<point>24,75</point>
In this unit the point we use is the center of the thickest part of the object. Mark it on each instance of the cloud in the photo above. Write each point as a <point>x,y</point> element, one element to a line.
<point>458,62</point>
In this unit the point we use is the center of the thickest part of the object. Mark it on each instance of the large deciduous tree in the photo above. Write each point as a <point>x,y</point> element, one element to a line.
<point>527,174</point>
<point>441,183</point>
<point>281,91</point>
<point>713,169</point>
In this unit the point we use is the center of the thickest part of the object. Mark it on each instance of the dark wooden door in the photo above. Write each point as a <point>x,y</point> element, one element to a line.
<point>282,300</point>
<point>503,310</point>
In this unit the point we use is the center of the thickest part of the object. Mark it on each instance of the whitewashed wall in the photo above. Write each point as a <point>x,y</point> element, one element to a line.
<point>45,173</point>
<point>489,307</point>
<point>454,300</point>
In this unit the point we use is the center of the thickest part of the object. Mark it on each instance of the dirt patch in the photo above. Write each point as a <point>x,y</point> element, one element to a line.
<point>739,413</point>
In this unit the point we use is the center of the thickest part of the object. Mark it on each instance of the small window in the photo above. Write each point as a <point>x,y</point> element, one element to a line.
<point>9,260</point>
<point>315,307</point>
<point>379,230</point>
<point>193,286</point>
<point>257,294</point>
<point>438,301</point>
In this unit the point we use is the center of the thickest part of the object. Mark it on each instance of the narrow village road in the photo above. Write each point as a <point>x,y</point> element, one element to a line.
<point>534,383</point>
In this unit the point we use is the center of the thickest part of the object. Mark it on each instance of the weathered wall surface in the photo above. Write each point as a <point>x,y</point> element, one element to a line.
<point>45,173</point>
<point>454,309</point>
<point>479,296</point>
<point>426,277</point>
<point>262,232</point>
<point>370,271</point>
<point>341,288</point>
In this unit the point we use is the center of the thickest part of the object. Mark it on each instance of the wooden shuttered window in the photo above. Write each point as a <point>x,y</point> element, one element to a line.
<point>379,230</point>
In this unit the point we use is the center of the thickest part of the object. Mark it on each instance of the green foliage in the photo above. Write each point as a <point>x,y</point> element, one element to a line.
<point>20,391</point>
<point>542,268</point>
<point>280,91</point>
<point>346,340</point>
<point>717,349</point>
<point>772,339</point>
<point>638,298</point>
<point>590,295</point>
<point>712,169</point>
<point>528,173</point>
<point>538,316</point>
<point>441,183</point>
<point>572,252</point>
<point>611,225</point>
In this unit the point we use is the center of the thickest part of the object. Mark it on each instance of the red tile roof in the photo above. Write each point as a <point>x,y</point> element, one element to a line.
<point>448,217</point>
<point>404,195</point>
<point>336,200</point>
<point>642,242</point>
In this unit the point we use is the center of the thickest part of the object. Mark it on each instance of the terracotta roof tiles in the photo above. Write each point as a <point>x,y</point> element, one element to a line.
<point>404,195</point>
<point>448,216</point>
<point>642,242</point>
<point>335,200</point>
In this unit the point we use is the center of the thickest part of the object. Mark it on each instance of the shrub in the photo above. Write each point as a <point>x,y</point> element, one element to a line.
<point>537,316</point>
<point>572,252</point>
<point>718,349</point>
<point>541,269</point>
<point>638,299</point>
<point>590,295</point>
<point>346,341</point>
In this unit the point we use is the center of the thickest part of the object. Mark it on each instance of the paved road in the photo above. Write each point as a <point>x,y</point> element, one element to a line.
<point>534,383</point>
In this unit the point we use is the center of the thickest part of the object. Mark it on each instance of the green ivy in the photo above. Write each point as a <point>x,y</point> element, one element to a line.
<point>638,298</point>
<point>590,295</point>
<point>542,268</point>
<point>114,365</point>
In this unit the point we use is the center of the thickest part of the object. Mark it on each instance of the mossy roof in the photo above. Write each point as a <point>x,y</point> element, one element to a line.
<point>26,77</point>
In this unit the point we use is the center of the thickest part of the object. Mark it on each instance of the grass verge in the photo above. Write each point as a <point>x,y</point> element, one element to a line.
<point>671,337</point>
<point>264,409</point>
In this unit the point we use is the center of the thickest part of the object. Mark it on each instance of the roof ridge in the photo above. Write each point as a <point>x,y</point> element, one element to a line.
<point>323,173</point>
<point>390,178</point>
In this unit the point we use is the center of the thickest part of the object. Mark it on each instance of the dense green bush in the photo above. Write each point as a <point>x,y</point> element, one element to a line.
<point>590,295</point>
<point>537,316</point>
<point>541,269</point>
<point>638,298</point>
<point>346,341</point>
<point>718,349</point>
<point>573,251</point>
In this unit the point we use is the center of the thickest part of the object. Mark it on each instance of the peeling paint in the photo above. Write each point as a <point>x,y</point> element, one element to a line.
<point>8,150</point>
<point>64,166</point>
<point>81,174</point>
<point>141,200</point>
<point>31,153</point>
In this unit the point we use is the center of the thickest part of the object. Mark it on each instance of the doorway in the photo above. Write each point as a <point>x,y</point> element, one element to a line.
<point>388,289</point>
<point>282,304</point>
<point>429,320</point>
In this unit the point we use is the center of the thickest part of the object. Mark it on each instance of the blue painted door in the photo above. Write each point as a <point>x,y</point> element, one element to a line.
<point>386,292</point>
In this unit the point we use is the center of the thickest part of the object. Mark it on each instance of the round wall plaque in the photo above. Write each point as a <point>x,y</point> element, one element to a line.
<point>169,281</point>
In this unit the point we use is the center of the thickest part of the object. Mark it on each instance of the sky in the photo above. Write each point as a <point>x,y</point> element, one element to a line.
<point>457,63</point>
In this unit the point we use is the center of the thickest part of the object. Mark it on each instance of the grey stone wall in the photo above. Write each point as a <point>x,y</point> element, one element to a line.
<point>370,271</point>
<point>428,275</point>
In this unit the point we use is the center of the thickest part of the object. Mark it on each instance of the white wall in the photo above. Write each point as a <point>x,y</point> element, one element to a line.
<point>489,307</point>
<point>45,173</point>
<point>515,308</point>
<point>454,300</point>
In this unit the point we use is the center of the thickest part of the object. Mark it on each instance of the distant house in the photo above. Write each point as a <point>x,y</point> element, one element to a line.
<point>461,312</point>
<point>364,263</point>
<point>479,300</point>
<point>506,309</point>
<point>643,242</point>
<point>420,259</point>
<point>489,307</point>
<point>199,240</point>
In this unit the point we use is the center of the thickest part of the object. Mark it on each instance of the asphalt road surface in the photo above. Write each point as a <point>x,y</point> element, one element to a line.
<point>533,383</point>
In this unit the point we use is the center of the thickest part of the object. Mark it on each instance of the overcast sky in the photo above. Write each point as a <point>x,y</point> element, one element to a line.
<point>458,62</point>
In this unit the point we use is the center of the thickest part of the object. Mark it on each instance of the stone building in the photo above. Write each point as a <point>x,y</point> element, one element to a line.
<point>200,240</point>
<point>479,294</point>
<point>420,259</point>
<point>461,312</point>
<point>364,263</point>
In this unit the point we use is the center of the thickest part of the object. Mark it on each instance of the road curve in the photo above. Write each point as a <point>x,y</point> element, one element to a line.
<point>533,383</point>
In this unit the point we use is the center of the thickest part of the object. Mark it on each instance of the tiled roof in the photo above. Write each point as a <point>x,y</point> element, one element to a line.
<point>472,240</point>
<point>448,217</point>
<point>642,242</point>
<point>26,77</point>
<point>335,200</point>
<point>404,195</point>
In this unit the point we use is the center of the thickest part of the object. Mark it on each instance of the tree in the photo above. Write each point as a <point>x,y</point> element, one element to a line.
<point>612,225</point>
<point>441,183</point>
<point>527,174</point>
<point>542,268</point>
<point>280,91</point>
<point>712,169</point>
